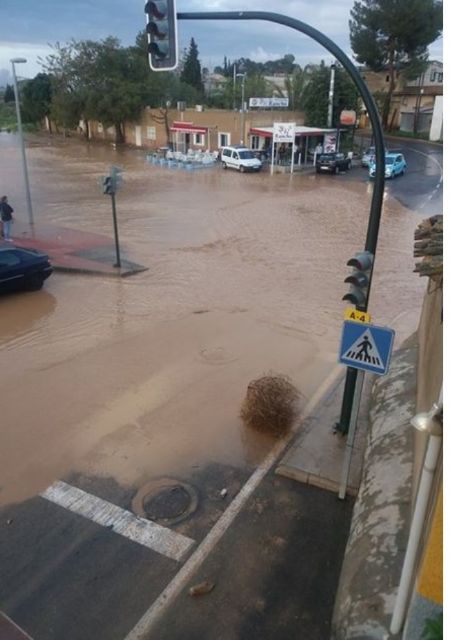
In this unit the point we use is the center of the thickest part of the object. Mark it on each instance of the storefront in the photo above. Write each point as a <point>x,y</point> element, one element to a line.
<point>186,135</point>
<point>308,142</point>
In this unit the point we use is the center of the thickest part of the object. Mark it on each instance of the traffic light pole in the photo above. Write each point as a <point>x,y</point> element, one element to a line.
<point>118,263</point>
<point>378,189</point>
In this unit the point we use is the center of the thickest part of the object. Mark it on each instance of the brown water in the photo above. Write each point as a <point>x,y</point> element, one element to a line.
<point>144,376</point>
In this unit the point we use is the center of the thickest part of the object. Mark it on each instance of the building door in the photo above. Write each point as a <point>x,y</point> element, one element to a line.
<point>138,134</point>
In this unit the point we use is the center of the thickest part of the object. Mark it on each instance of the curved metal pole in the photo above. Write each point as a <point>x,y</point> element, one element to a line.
<point>378,189</point>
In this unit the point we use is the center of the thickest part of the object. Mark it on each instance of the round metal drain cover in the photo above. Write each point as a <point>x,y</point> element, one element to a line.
<point>166,501</point>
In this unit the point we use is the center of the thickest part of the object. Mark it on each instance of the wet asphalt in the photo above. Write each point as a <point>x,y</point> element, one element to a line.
<point>274,572</point>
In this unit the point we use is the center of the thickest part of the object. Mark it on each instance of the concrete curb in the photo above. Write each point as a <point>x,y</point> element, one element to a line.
<point>380,522</point>
<point>120,273</point>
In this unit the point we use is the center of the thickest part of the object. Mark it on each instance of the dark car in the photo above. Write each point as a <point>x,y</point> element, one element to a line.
<point>22,269</point>
<point>332,162</point>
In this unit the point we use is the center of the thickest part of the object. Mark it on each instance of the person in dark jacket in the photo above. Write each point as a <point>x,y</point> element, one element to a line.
<point>6,212</point>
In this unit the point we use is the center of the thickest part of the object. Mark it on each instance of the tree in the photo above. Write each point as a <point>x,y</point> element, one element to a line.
<point>392,35</point>
<point>315,95</point>
<point>37,98</point>
<point>68,96</point>
<point>295,85</point>
<point>100,81</point>
<point>9,94</point>
<point>191,73</point>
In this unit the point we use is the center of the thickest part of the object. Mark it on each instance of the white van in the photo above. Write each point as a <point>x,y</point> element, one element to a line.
<point>240,158</point>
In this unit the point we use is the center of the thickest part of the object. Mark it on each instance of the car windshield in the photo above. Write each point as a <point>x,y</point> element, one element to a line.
<point>327,156</point>
<point>370,151</point>
<point>390,160</point>
<point>246,155</point>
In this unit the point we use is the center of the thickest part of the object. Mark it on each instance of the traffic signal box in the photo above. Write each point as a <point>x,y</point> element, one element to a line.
<point>162,34</point>
<point>359,280</point>
<point>108,186</point>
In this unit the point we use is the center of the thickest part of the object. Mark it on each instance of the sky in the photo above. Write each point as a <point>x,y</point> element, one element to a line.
<point>30,27</point>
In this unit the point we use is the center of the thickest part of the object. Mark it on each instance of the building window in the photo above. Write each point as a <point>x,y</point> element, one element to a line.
<point>100,127</point>
<point>440,77</point>
<point>224,139</point>
<point>151,133</point>
<point>433,76</point>
<point>387,78</point>
<point>199,139</point>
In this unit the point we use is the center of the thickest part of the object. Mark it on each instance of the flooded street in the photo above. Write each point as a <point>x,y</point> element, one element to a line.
<point>142,377</point>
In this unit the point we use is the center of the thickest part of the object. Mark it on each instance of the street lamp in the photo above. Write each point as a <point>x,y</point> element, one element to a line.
<point>242,75</point>
<point>15,61</point>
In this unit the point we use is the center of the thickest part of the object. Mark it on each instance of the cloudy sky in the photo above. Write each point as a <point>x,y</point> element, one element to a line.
<point>29,27</point>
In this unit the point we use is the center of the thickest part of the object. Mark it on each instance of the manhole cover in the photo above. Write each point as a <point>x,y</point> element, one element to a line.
<point>166,501</point>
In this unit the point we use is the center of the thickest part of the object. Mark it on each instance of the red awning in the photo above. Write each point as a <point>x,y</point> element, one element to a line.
<point>260,132</point>
<point>188,127</point>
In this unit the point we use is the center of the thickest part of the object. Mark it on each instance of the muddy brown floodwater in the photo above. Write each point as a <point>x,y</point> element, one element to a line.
<point>143,377</point>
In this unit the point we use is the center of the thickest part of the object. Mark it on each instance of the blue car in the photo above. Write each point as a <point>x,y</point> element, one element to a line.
<point>395,166</point>
<point>22,268</point>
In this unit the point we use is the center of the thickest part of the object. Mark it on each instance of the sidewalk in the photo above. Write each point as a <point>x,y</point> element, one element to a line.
<point>317,455</point>
<point>74,251</point>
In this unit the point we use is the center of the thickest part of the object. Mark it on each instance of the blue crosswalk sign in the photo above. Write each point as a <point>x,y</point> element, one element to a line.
<point>366,346</point>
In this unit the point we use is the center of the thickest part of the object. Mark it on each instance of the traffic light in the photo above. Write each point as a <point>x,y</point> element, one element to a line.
<point>162,34</point>
<point>107,184</point>
<point>359,280</point>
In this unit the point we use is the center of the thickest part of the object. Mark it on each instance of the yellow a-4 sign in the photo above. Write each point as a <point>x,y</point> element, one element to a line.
<point>356,316</point>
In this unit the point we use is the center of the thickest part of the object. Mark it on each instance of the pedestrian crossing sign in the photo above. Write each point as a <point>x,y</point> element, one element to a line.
<point>366,347</point>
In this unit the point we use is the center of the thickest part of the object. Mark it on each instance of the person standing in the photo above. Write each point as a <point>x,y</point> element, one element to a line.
<point>6,212</point>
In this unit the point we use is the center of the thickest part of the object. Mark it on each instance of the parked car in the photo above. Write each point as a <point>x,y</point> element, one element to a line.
<point>368,156</point>
<point>240,158</point>
<point>395,166</point>
<point>332,162</point>
<point>22,269</point>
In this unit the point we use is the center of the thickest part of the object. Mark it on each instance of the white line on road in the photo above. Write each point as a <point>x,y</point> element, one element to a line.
<point>144,532</point>
<point>179,582</point>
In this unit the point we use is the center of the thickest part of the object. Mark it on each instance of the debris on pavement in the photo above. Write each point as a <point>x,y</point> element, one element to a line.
<point>202,588</point>
<point>271,404</point>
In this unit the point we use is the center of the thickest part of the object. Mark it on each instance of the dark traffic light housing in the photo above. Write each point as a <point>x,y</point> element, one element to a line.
<point>359,280</point>
<point>162,34</point>
<point>108,185</point>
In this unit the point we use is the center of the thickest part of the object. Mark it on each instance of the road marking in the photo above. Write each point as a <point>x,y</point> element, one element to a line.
<point>179,582</point>
<point>144,532</point>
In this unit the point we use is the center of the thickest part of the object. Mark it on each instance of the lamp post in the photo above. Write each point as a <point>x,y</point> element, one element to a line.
<point>242,75</point>
<point>15,61</point>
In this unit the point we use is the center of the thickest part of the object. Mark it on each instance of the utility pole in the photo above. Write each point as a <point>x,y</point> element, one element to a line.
<point>331,96</point>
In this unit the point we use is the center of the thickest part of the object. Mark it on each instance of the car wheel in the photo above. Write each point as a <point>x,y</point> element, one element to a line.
<point>241,169</point>
<point>317,170</point>
<point>35,282</point>
<point>224,165</point>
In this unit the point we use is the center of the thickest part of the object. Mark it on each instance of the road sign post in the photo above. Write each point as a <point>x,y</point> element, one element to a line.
<point>351,435</point>
<point>365,347</point>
